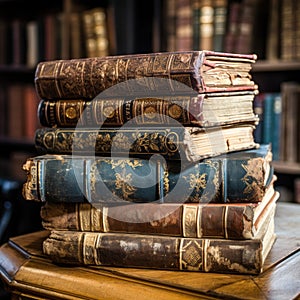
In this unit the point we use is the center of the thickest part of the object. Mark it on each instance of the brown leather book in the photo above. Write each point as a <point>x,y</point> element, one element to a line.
<point>164,72</point>
<point>29,274</point>
<point>210,109</point>
<point>162,252</point>
<point>229,221</point>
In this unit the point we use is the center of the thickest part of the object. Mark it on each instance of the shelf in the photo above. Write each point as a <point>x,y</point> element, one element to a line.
<point>276,66</point>
<point>286,167</point>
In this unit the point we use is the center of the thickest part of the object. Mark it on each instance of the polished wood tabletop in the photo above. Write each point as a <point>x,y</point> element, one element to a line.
<point>28,274</point>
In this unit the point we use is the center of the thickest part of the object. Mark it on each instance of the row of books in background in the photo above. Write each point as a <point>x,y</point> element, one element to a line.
<point>279,121</point>
<point>208,206</point>
<point>54,36</point>
<point>268,28</point>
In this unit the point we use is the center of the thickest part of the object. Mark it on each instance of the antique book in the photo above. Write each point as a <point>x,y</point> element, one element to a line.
<point>241,176</point>
<point>27,272</point>
<point>176,143</point>
<point>162,252</point>
<point>208,109</point>
<point>200,71</point>
<point>228,221</point>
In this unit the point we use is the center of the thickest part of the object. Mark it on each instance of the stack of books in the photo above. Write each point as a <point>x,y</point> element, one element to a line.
<point>149,161</point>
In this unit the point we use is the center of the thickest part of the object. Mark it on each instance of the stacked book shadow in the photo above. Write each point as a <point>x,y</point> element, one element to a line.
<point>149,161</point>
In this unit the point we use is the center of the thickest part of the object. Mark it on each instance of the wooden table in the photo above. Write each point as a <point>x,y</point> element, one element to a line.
<point>29,275</point>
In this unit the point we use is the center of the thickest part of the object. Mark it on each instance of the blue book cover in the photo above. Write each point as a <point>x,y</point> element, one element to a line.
<point>271,123</point>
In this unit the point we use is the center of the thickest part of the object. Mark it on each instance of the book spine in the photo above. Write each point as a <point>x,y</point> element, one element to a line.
<point>158,252</point>
<point>287,30</point>
<point>59,178</point>
<point>268,111</point>
<point>206,25</point>
<point>32,44</point>
<point>276,121</point>
<point>188,220</point>
<point>184,25</point>
<point>165,72</point>
<point>231,35</point>
<point>171,143</point>
<point>219,24</point>
<point>273,32</point>
<point>170,17</point>
<point>186,110</point>
<point>55,79</point>
<point>196,23</point>
<point>138,142</point>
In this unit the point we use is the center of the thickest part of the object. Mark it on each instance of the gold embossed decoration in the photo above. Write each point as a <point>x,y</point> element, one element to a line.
<point>71,113</point>
<point>191,251</point>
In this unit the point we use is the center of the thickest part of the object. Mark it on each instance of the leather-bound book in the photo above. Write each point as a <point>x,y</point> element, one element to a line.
<point>242,176</point>
<point>162,252</point>
<point>200,71</point>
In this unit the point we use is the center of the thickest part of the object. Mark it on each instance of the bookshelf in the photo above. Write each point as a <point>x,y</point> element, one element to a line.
<point>136,27</point>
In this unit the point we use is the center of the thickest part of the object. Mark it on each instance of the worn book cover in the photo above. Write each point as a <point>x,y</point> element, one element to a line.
<point>162,252</point>
<point>26,271</point>
<point>172,142</point>
<point>200,71</point>
<point>230,221</point>
<point>241,176</point>
<point>208,109</point>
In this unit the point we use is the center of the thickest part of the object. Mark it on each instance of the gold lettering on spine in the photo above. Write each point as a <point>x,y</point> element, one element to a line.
<point>189,219</point>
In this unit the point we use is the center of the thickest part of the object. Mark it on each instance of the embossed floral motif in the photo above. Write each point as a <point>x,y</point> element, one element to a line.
<point>123,183</point>
<point>121,141</point>
<point>122,163</point>
<point>148,142</point>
